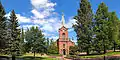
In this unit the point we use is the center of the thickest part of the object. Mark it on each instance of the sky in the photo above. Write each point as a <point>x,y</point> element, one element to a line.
<point>46,14</point>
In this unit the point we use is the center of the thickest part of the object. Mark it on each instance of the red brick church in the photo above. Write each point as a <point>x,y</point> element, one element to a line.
<point>63,41</point>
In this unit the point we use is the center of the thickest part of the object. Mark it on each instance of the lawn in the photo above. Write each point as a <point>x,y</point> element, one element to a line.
<point>95,56</point>
<point>102,55</point>
<point>29,56</point>
<point>36,58</point>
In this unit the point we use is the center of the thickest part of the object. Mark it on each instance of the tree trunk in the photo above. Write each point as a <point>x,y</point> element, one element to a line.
<point>114,46</point>
<point>104,49</point>
<point>104,46</point>
<point>13,57</point>
<point>34,54</point>
<point>87,51</point>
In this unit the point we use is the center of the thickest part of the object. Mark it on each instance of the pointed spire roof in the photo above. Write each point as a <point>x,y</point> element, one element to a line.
<point>63,20</point>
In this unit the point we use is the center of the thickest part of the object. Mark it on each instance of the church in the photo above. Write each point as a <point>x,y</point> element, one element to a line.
<point>64,41</point>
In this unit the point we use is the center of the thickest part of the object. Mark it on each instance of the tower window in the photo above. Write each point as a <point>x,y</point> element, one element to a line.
<point>63,45</point>
<point>63,36</point>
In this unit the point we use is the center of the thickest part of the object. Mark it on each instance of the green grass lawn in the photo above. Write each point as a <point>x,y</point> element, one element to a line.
<point>29,56</point>
<point>102,55</point>
<point>36,58</point>
<point>55,55</point>
<point>94,56</point>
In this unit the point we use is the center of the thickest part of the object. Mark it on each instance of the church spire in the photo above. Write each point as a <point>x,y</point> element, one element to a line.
<point>63,20</point>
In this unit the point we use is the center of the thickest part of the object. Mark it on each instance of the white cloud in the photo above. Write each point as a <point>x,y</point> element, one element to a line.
<point>42,3</point>
<point>28,26</point>
<point>37,14</point>
<point>7,15</point>
<point>47,27</point>
<point>42,8</point>
<point>22,19</point>
<point>40,22</point>
<point>44,17</point>
<point>54,37</point>
<point>70,23</point>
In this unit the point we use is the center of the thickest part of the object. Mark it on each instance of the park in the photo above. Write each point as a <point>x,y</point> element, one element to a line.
<point>96,33</point>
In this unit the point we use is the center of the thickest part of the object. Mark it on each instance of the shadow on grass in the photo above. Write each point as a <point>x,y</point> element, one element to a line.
<point>22,58</point>
<point>31,58</point>
<point>4,58</point>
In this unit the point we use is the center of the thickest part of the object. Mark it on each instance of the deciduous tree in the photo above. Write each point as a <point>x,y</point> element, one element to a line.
<point>35,40</point>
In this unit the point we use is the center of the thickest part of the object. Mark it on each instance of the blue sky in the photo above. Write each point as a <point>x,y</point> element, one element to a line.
<point>46,14</point>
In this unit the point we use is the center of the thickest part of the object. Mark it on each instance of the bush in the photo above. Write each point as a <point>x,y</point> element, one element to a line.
<point>113,58</point>
<point>73,50</point>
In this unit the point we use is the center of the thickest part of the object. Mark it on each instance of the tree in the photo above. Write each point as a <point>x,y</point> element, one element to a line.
<point>35,40</point>
<point>22,42</point>
<point>101,28</point>
<point>14,32</point>
<point>113,29</point>
<point>53,48</point>
<point>73,50</point>
<point>22,35</point>
<point>47,42</point>
<point>119,35</point>
<point>83,26</point>
<point>3,29</point>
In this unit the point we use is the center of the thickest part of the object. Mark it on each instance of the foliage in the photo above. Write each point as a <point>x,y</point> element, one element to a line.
<point>23,47</point>
<point>3,29</point>
<point>83,26</point>
<point>113,29</point>
<point>101,29</point>
<point>14,34</point>
<point>73,50</point>
<point>53,48</point>
<point>35,41</point>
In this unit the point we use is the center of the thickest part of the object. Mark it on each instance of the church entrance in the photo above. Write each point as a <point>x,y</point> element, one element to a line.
<point>64,52</point>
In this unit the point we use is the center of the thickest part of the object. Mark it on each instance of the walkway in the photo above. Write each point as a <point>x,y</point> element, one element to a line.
<point>61,58</point>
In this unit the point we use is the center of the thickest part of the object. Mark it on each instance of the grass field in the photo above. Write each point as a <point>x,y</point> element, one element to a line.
<point>95,55</point>
<point>36,58</point>
<point>29,56</point>
<point>102,55</point>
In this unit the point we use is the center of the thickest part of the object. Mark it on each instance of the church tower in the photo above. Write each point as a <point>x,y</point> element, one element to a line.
<point>63,42</point>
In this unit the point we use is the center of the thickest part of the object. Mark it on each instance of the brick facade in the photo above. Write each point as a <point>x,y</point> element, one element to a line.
<point>64,42</point>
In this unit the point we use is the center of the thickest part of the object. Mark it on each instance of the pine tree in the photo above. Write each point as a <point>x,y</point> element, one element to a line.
<point>22,35</point>
<point>83,26</point>
<point>14,41</point>
<point>101,28</point>
<point>3,33</point>
<point>48,42</point>
<point>22,43</point>
<point>113,29</point>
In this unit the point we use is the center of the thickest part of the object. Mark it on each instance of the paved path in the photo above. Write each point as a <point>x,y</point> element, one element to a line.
<point>60,57</point>
<point>117,55</point>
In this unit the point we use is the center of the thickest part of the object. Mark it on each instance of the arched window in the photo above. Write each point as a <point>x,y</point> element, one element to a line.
<point>63,36</point>
<point>63,45</point>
